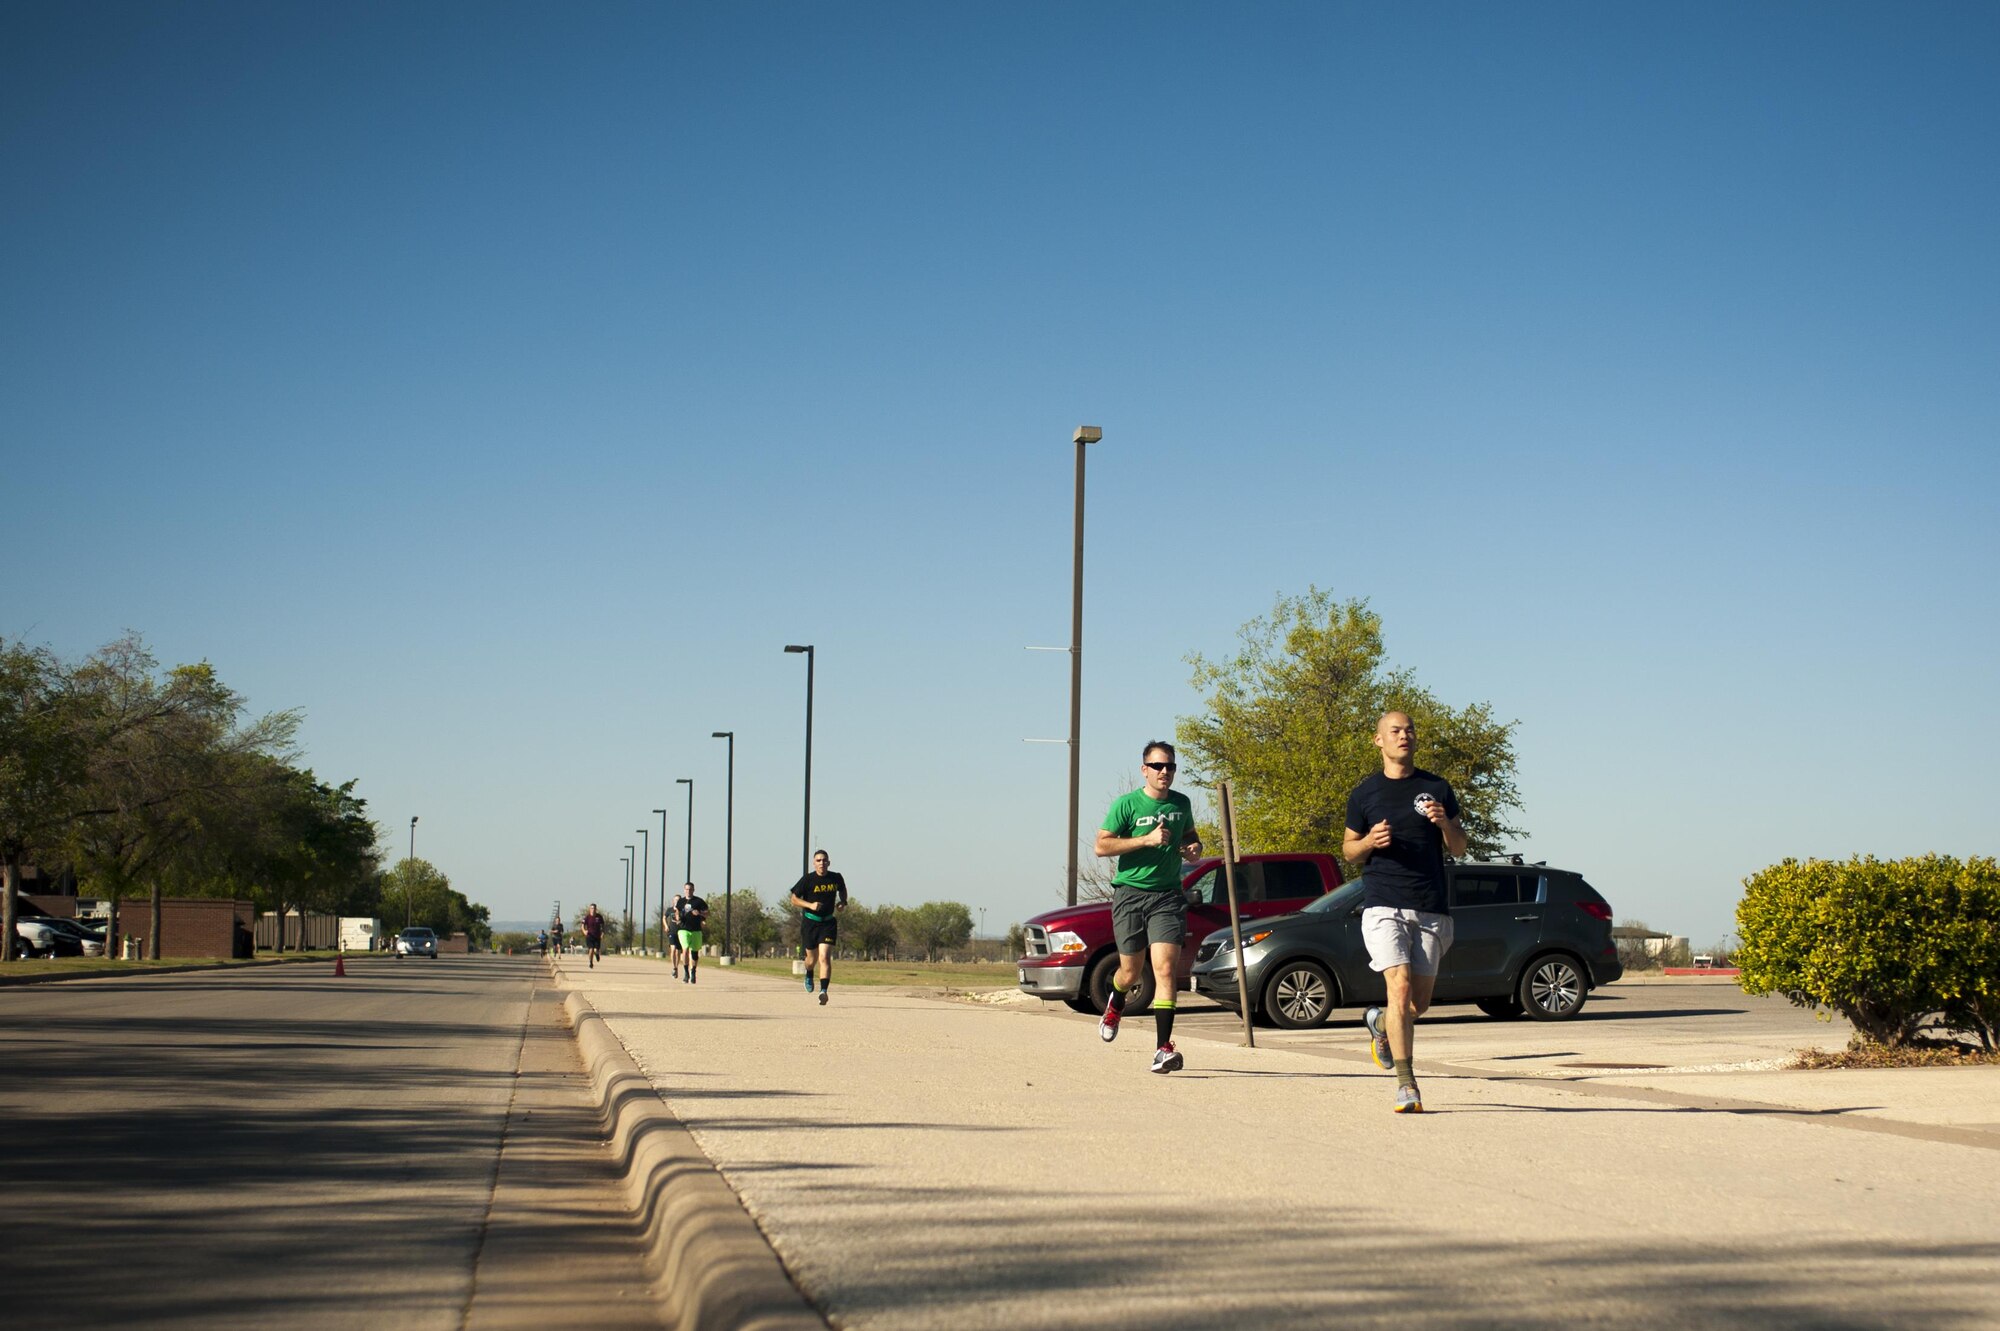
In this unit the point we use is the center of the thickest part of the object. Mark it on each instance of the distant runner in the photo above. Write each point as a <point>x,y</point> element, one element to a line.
<point>593,933</point>
<point>1151,831</point>
<point>820,896</point>
<point>690,914</point>
<point>1400,823</point>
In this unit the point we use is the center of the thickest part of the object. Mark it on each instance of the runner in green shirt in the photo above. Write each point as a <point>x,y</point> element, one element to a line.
<point>1151,832</point>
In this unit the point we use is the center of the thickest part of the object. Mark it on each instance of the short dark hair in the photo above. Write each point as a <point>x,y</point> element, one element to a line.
<point>1152,744</point>
<point>818,853</point>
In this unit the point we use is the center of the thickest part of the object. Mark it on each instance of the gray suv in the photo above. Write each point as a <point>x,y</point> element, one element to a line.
<point>1529,940</point>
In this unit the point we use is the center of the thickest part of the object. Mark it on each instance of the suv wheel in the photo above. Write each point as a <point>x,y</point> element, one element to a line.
<point>1553,988</point>
<point>1299,995</point>
<point>1097,987</point>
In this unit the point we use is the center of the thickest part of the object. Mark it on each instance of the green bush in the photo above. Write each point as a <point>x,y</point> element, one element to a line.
<point>1900,948</point>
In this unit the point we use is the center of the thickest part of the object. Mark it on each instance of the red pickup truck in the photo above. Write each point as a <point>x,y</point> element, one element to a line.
<point>1071,955</point>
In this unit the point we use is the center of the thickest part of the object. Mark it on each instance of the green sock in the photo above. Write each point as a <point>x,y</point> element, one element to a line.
<point>1405,1074</point>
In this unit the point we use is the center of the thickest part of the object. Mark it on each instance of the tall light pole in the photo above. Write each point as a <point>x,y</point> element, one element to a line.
<point>644,923</point>
<point>409,879</point>
<point>728,841</point>
<point>1085,436</point>
<point>645,867</point>
<point>687,865</point>
<point>805,850</point>
<point>626,860</point>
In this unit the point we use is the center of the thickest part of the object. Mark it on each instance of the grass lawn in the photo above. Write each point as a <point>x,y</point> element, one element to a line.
<point>939,975</point>
<point>30,968</point>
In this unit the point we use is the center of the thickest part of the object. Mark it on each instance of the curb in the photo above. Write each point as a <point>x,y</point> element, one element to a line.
<point>719,1272</point>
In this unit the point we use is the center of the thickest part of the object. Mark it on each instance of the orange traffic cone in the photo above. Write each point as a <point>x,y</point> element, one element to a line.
<point>340,964</point>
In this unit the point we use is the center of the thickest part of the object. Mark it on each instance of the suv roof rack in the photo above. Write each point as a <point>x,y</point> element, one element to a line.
<point>1500,857</point>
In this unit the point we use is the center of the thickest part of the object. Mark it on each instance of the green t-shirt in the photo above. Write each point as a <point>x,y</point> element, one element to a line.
<point>1151,868</point>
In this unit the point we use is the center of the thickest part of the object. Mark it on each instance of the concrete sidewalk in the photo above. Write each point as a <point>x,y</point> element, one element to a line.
<point>919,1163</point>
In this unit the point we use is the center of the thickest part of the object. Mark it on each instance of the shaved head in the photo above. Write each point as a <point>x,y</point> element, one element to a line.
<point>1396,736</point>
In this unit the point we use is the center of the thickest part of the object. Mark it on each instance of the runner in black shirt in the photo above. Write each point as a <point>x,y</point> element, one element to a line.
<point>820,896</point>
<point>1400,823</point>
<point>690,914</point>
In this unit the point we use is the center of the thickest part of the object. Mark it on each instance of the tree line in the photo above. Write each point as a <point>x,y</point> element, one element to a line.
<point>141,782</point>
<point>879,933</point>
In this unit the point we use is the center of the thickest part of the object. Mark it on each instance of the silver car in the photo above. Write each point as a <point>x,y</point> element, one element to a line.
<point>417,942</point>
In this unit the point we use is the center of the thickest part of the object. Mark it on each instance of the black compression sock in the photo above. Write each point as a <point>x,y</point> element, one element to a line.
<point>1117,1000</point>
<point>1163,1023</point>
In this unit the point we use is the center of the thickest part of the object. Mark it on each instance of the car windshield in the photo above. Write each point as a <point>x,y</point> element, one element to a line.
<point>1341,898</point>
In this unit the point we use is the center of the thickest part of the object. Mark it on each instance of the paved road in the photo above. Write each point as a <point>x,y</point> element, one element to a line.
<point>410,1146</point>
<point>922,1164</point>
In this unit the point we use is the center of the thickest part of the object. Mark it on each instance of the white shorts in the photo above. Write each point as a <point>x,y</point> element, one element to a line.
<point>1414,938</point>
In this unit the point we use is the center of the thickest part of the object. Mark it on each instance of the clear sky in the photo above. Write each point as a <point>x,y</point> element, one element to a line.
<point>505,385</point>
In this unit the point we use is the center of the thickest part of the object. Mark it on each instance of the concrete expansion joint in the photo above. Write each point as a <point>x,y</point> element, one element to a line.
<point>718,1270</point>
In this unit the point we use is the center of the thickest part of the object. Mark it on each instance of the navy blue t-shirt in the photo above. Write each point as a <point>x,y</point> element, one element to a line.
<point>1408,873</point>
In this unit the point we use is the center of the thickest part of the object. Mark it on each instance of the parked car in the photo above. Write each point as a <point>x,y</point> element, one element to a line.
<point>1070,954</point>
<point>417,942</point>
<point>35,937</point>
<point>53,936</point>
<point>89,942</point>
<point>1528,939</point>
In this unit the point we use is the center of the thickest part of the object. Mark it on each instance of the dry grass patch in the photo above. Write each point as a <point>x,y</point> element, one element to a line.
<point>1917,1054</point>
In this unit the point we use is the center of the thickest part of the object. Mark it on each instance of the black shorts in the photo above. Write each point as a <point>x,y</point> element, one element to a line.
<point>814,932</point>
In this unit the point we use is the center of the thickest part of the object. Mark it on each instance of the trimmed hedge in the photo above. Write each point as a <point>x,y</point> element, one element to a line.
<point>1901,948</point>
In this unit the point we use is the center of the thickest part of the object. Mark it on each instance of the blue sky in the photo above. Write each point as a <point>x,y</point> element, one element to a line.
<point>505,385</point>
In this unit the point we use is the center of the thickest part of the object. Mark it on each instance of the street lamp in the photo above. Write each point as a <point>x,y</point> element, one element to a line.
<point>805,851</point>
<point>645,861</point>
<point>687,864</point>
<point>728,842</point>
<point>626,860</point>
<point>1085,436</point>
<point>644,923</point>
<point>409,877</point>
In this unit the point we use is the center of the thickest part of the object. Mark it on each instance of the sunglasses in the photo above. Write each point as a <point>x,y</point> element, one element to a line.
<point>1164,767</point>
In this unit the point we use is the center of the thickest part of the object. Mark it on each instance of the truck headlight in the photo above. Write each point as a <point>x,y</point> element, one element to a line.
<point>1065,941</point>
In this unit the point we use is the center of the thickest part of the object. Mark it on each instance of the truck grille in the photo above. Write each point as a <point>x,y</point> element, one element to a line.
<point>1036,940</point>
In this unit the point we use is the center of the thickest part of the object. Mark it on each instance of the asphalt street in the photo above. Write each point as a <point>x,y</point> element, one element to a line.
<point>412,1145</point>
<point>922,1163</point>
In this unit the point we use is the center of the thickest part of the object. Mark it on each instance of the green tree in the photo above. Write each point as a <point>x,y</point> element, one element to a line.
<point>43,766</point>
<point>750,921</point>
<point>935,927</point>
<point>285,840</point>
<point>163,754</point>
<point>870,933</point>
<point>416,893</point>
<point>1291,721</point>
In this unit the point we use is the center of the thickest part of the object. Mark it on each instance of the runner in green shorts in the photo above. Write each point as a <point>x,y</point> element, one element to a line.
<point>690,914</point>
<point>1151,831</point>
